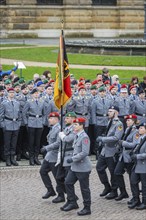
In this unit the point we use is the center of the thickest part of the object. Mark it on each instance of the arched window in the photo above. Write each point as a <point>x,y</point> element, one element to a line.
<point>104,2</point>
<point>50,2</point>
<point>2,2</point>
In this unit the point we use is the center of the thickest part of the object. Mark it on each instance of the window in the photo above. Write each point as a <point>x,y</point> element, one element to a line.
<point>104,2</point>
<point>2,2</point>
<point>50,2</point>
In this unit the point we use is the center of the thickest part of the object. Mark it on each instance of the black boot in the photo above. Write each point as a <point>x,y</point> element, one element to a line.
<point>25,156</point>
<point>49,193</point>
<point>112,195</point>
<point>142,206</point>
<point>13,161</point>
<point>31,161</point>
<point>36,161</point>
<point>8,161</point>
<point>85,211</point>
<point>59,198</point>
<point>136,202</point>
<point>106,190</point>
<point>18,158</point>
<point>123,195</point>
<point>130,201</point>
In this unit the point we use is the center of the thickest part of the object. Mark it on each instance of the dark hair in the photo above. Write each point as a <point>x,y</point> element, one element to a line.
<point>45,73</point>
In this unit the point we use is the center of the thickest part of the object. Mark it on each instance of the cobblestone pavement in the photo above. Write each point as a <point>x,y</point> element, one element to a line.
<point>21,191</point>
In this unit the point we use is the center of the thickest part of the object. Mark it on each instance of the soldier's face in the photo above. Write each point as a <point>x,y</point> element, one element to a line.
<point>11,94</point>
<point>82,92</point>
<point>49,90</point>
<point>142,130</point>
<point>35,95</point>
<point>53,120</point>
<point>133,91</point>
<point>102,94</point>
<point>68,120</point>
<point>77,127</point>
<point>124,94</point>
<point>111,113</point>
<point>129,122</point>
<point>2,93</point>
<point>142,95</point>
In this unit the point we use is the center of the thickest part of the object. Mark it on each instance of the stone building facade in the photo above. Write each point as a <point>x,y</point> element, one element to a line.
<point>82,18</point>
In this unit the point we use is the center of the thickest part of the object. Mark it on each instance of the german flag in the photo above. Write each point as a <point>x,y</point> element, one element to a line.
<point>62,88</point>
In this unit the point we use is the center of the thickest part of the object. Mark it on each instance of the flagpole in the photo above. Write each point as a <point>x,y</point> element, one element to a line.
<point>62,76</point>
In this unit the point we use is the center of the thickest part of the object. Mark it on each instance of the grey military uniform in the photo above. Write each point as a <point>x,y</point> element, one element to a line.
<point>139,108</point>
<point>141,159</point>
<point>99,110</point>
<point>67,144</point>
<point>10,115</point>
<point>113,136</point>
<point>81,161</point>
<point>124,105</point>
<point>53,144</point>
<point>33,113</point>
<point>129,144</point>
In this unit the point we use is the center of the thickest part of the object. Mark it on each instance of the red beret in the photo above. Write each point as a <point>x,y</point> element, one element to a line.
<point>81,87</point>
<point>10,89</point>
<point>99,80</point>
<point>80,84</point>
<point>133,116</point>
<point>52,80</point>
<point>107,82</point>
<point>54,114</point>
<point>79,120</point>
<point>124,86</point>
<point>111,87</point>
<point>81,79</point>
<point>132,87</point>
<point>94,82</point>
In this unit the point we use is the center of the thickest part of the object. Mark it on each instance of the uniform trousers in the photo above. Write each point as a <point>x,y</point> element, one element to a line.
<point>1,144</point>
<point>135,179</point>
<point>34,138</point>
<point>22,142</point>
<point>83,178</point>
<point>120,169</point>
<point>102,164</point>
<point>10,141</point>
<point>47,167</point>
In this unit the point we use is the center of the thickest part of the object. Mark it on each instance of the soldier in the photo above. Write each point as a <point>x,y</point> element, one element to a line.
<point>127,143</point>
<point>139,171</point>
<point>22,143</point>
<point>138,107</point>
<point>80,170</point>
<point>10,121</point>
<point>106,158</point>
<point>124,104</point>
<point>2,98</point>
<point>80,105</point>
<point>33,116</point>
<point>99,114</point>
<point>51,159</point>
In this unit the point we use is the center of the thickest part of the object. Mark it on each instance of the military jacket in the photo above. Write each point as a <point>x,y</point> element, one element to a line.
<point>141,159</point>
<point>33,113</point>
<point>53,144</point>
<point>10,115</point>
<point>139,108</point>
<point>129,144</point>
<point>113,136</point>
<point>81,161</point>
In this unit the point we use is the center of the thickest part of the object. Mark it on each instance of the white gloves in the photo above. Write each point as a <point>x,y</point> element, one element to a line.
<point>61,135</point>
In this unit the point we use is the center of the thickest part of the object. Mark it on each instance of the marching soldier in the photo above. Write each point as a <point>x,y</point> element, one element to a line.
<point>33,116</point>
<point>139,171</point>
<point>106,158</point>
<point>50,160</point>
<point>127,143</point>
<point>80,170</point>
<point>10,121</point>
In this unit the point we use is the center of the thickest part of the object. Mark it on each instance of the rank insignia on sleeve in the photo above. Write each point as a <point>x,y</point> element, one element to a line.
<point>86,141</point>
<point>120,128</point>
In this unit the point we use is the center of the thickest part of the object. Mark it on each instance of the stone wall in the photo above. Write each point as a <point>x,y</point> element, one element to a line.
<point>24,18</point>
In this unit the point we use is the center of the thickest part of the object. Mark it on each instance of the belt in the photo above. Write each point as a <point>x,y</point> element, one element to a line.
<point>140,114</point>
<point>36,116</point>
<point>11,119</point>
<point>81,113</point>
<point>104,115</point>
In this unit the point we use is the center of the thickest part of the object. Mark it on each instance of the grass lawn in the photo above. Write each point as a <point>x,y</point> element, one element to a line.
<point>49,54</point>
<point>125,75</point>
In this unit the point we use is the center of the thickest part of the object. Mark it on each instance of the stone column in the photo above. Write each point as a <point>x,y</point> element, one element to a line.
<point>21,2</point>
